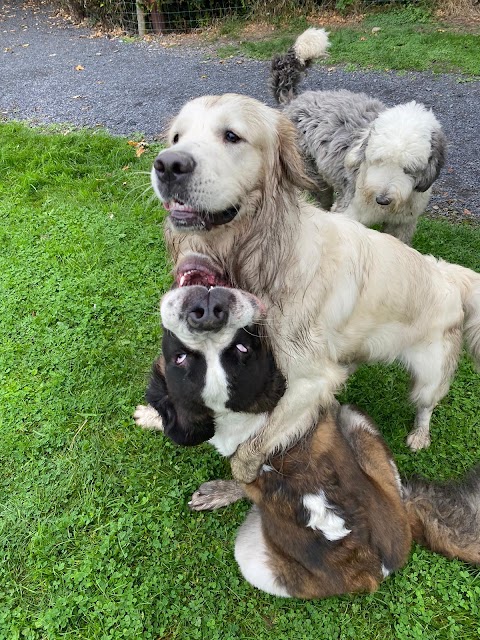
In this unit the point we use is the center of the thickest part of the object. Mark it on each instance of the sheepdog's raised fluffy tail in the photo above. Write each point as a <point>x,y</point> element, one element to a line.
<point>288,69</point>
<point>445,517</point>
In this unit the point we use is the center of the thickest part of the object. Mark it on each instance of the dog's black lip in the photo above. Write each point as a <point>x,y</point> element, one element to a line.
<point>205,220</point>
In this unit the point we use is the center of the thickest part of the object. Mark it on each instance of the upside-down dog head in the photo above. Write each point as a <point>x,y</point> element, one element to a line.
<point>227,155</point>
<point>401,153</point>
<point>214,358</point>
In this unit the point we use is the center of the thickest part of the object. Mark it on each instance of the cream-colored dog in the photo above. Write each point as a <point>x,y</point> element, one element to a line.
<point>337,293</point>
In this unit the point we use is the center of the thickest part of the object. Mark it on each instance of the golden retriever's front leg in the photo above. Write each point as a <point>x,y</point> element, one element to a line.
<point>294,415</point>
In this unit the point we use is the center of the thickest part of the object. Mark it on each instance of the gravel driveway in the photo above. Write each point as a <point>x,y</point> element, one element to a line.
<point>52,71</point>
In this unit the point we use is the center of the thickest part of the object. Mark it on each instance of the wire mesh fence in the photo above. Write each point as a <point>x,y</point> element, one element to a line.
<point>179,16</point>
<point>152,16</point>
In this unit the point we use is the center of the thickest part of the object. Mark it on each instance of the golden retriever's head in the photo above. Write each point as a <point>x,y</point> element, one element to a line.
<point>223,151</point>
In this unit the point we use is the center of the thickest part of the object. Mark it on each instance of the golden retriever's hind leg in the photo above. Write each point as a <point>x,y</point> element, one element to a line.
<point>419,436</point>
<point>432,367</point>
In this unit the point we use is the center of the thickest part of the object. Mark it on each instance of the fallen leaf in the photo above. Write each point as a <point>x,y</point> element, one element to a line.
<point>467,212</point>
<point>139,151</point>
<point>125,168</point>
<point>79,68</point>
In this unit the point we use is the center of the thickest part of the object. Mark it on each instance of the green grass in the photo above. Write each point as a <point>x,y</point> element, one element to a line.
<point>96,538</point>
<point>408,40</point>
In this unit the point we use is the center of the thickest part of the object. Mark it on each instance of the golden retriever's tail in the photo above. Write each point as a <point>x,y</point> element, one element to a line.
<point>469,283</point>
<point>445,517</point>
<point>288,69</point>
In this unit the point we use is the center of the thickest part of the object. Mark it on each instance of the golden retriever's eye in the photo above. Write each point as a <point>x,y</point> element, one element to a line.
<point>175,138</point>
<point>231,137</point>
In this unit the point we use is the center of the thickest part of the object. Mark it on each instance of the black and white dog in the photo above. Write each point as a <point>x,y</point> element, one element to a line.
<point>330,515</point>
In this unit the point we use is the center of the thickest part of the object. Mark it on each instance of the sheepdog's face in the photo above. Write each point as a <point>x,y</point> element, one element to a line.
<point>401,154</point>
<point>215,160</point>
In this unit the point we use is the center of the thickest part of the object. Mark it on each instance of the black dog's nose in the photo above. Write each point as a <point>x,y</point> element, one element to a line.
<point>210,311</point>
<point>383,200</point>
<point>170,165</point>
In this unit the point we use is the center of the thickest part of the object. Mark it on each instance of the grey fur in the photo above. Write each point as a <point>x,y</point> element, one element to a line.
<point>286,73</point>
<point>427,177</point>
<point>332,124</point>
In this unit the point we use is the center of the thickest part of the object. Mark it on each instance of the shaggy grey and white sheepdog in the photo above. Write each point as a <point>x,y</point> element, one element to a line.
<point>380,162</point>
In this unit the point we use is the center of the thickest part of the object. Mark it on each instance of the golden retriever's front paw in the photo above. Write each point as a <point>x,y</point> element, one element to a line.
<point>148,418</point>
<point>246,464</point>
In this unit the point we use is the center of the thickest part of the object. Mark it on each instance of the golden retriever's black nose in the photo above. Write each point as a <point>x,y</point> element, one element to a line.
<point>171,166</point>
<point>383,200</point>
<point>210,311</point>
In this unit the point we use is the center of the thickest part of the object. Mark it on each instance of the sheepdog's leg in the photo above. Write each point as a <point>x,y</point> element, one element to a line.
<point>252,555</point>
<point>215,494</point>
<point>403,231</point>
<point>432,367</point>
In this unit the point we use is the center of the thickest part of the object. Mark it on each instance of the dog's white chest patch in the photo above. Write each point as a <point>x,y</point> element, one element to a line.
<point>215,391</point>
<point>323,518</point>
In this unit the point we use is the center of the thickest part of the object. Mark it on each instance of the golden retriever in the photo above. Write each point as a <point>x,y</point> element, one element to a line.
<point>337,294</point>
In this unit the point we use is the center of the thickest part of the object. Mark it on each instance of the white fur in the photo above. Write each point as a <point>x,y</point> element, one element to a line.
<point>251,553</point>
<point>218,184</point>
<point>312,43</point>
<point>399,138</point>
<point>148,418</point>
<point>233,428</point>
<point>323,517</point>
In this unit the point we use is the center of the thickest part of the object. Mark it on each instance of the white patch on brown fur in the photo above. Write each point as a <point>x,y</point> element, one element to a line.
<point>323,517</point>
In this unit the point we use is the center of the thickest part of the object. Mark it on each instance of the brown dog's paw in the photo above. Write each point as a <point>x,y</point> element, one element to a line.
<point>148,418</point>
<point>215,494</point>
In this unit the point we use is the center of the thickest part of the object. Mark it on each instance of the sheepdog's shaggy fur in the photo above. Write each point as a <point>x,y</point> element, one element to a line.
<point>380,162</point>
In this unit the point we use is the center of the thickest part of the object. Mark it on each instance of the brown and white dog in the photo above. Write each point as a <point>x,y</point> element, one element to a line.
<point>330,515</point>
<point>337,294</point>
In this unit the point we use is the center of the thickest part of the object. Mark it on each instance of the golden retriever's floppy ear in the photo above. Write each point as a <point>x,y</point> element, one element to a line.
<point>290,165</point>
